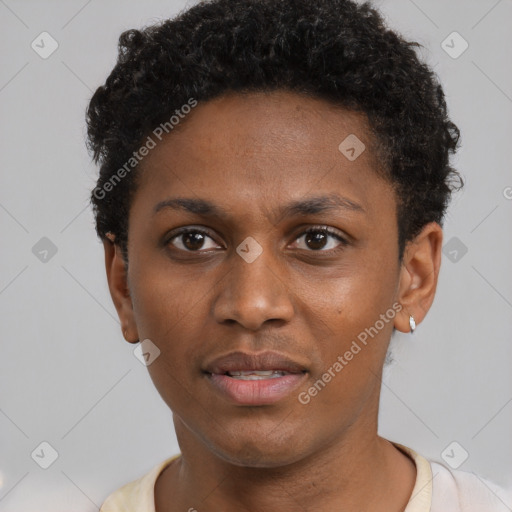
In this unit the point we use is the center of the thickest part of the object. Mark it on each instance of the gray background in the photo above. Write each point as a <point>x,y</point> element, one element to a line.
<point>68,378</point>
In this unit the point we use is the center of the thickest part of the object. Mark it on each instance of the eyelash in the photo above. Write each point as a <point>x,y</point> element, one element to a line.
<point>312,229</point>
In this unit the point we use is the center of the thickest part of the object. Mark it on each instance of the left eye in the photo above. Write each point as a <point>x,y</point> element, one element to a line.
<point>316,239</point>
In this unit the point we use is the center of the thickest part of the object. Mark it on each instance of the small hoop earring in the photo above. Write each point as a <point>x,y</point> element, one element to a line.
<point>412,323</point>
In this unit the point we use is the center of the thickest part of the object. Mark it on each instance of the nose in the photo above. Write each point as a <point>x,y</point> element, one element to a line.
<point>253,293</point>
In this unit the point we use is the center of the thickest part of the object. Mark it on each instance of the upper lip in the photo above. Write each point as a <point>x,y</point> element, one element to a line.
<point>243,361</point>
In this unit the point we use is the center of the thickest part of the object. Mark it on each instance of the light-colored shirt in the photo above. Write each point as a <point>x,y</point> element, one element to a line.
<point>437,489</point>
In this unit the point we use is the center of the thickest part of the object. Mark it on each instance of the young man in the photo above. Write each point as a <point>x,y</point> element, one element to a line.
<point>274,176</point>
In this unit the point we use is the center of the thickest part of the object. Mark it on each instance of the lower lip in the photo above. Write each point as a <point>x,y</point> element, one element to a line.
<point>256,392</point>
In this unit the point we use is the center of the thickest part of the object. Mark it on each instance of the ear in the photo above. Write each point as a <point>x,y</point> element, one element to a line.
<point>118,285</point>
<point>418,275</point>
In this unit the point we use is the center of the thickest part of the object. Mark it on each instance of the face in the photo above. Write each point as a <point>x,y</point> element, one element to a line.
<point>244,275</point>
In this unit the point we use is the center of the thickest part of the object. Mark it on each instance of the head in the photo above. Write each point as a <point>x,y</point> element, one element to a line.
<point>273,176</point>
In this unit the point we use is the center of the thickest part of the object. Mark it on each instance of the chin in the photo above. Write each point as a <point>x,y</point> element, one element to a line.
<point>259,451</point>
<point>256,458</point>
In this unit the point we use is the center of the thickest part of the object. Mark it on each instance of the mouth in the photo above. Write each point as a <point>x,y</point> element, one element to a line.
<point>254,379</point>
<point>257,374</point>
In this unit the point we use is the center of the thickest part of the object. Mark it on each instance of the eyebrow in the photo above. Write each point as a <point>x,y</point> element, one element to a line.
<point>308,206</point>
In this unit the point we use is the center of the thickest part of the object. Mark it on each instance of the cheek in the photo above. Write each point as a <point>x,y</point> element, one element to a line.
<point>356,306</point>
<point>169,314</point>
<point>354,296</point>
<point>170,311</point>
<point>164,300</point>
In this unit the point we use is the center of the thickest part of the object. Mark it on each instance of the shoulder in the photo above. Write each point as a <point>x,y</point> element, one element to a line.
<point>138,495</point>
<point>460,491</point>
<point>441,489</point>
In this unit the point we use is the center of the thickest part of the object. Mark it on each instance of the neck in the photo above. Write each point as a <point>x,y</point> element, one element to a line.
<point>360,471</point>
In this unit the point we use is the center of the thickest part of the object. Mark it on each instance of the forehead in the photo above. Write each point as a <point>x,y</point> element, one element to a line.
<point>267,123</point>
<point>265,145</point>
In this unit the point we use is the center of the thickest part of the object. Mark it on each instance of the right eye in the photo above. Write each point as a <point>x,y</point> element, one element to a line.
<point>189,239</point>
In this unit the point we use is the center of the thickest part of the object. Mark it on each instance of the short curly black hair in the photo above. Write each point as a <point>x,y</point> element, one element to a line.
<point>336,50</point>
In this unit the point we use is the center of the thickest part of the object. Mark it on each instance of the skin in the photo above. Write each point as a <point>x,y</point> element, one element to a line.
<point>251,155</point>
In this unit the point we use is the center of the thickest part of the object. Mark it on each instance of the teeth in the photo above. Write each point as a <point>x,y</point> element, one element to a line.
<point>256,374</point>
